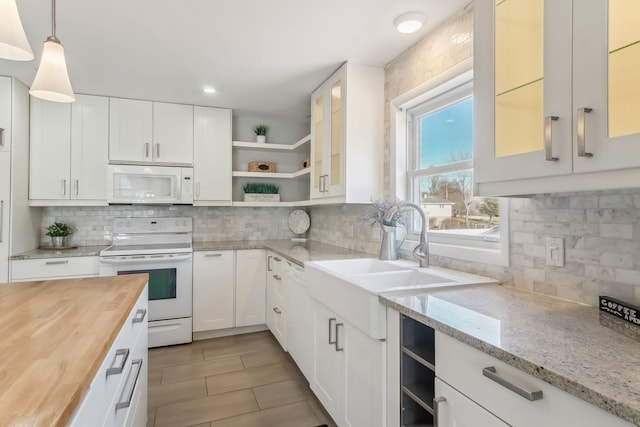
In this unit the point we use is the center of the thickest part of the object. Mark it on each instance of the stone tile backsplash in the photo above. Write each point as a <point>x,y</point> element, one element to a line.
<point>93,225</point>
<point>601,232</point>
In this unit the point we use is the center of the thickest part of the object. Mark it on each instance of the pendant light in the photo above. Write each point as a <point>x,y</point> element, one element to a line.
<point>13,41</point>
<point>52,79</point>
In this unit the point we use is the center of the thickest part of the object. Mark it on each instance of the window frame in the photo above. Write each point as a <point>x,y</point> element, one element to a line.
<point>443,90</point>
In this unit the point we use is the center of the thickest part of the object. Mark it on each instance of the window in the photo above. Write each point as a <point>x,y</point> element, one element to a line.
<point>437,146</point>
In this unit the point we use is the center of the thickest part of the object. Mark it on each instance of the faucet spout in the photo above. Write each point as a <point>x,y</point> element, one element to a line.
<point>420,252</point>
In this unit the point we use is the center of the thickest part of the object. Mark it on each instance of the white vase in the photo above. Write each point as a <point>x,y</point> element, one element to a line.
<point>261,139</point>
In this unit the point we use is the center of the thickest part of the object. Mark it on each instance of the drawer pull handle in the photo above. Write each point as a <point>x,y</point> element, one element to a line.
<point>212,255</point>
<point>275,258</point>
<point>490,372</point>
<point>331,320</point>
<point>436,403</point>
<point>140,313</point>
<point>127,403</point>
<point>277,310</point>
<point>117,369</point>
<point>275,276</point>
<point>337,337</point>
<point>56,262</point>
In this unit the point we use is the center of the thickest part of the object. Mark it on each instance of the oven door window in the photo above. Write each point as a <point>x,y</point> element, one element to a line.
<point>162,282</point>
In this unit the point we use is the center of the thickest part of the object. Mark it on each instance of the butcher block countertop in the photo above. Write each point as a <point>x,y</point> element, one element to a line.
<point>54,334</point>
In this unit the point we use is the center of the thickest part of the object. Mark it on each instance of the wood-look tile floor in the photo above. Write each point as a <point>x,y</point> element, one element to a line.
<point>242,380</point>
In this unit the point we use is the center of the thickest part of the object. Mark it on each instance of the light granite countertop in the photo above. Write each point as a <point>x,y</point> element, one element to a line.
<point>66,253</point>
<point>563,343</point>
<point>296,252</point>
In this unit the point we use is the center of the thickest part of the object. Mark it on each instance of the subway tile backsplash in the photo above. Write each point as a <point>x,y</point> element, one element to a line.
<point>93,225</point>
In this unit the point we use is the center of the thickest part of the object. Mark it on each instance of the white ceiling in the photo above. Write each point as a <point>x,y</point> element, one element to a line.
<point>264,57</point>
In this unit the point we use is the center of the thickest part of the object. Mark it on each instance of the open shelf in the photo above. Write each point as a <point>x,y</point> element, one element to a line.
<point>300,145</point>
<point>272,204</point>
<point>272,175</point>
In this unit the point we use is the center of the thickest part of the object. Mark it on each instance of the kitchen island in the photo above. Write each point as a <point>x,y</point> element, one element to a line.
<point>54,336</point>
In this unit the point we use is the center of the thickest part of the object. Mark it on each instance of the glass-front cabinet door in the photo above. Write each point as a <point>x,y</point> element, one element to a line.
<point>606,84</point>
<point>522,89</point>
<point>337,140</point>
<point>317,146</point>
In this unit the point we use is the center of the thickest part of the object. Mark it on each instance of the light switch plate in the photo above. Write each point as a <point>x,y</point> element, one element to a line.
<point>555,251</point>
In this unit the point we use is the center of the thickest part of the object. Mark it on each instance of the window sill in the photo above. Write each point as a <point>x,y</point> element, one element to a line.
<point>474,254</point>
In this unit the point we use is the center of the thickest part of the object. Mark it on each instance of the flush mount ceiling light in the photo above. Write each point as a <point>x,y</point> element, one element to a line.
<point>52,79</point>
<point>13,41</point>
<point>409,22</point>
<point>208,90</point>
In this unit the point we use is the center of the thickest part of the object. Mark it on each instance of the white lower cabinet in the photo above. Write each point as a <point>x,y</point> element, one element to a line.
<point>454,409</point>
<point>117,395</point>
<point>276,314</point>
<point>213,290</point>
<point>348,374</point>
<point>298,320</point>
<point>54,268</point>
<point>229,289</point>
<point>461,367</point>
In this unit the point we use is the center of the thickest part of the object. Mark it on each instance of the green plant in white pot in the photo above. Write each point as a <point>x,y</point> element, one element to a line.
<point>261,133</point>
<point>261,192</point>
<point>58,232</point>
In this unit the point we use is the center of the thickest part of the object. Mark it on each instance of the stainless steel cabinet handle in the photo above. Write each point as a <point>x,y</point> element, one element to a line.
<point>157,151</point>
<point>581,132</point>
<point>436,402</point>
<point>1,137</point>
<point>212,255</point>
<point>139,317</point>
<point>57,262</point>
<point>338,339</point>
<point>548,141</point>
<point>277,310</point>
<point>146,150</point>
<point>117,368</point>
<point>269,263</point>
<point>198,189</point>
<point>76,183</point>
<point>64,187</point>
<point>125,404</point>
<point>1,218</point>
<point>490,372</point>
<point>275,276</point>
<point>333,319</point>
<point>275,258</point>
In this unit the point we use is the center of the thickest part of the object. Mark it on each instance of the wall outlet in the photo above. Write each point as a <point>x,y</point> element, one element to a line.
<point>555,251</point>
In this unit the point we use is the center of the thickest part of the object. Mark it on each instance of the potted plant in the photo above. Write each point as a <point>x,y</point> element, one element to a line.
<point>261,192</point>
<point>58,232</point>
<point>261,133</point>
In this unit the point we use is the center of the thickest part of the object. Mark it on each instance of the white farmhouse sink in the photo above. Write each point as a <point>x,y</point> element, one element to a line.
<point>351,288</point>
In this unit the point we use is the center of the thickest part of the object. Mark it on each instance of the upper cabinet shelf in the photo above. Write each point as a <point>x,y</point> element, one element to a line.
<point>277,175</point>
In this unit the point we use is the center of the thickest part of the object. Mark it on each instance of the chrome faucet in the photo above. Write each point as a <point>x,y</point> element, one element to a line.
<point>420,252</point>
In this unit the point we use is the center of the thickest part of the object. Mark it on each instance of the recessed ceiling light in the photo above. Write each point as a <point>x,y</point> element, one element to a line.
<point>409,22</point>
<point>208,90</point>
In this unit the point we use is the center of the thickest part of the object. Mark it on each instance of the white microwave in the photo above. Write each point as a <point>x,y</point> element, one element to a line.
<point>150,185</point>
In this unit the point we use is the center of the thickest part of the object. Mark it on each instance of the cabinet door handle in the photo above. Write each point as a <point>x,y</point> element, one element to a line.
<point>146,150</point>
<point>490,372</point>
<point>277,310</point>
<point>1,218</point>
<point>436,402</point>
<point>127,403</point>
<point>57,262</point>
<point>581,132</point>
<point>337,336</point>
<point>333,319</point>
<point>1,137</point>
<point>197,189</point>
<point>76,184</point>
<point>117,368</point>
<point>64,187</point>
<point>139,317</point>
<point>275,258</point>
<point>275,276</point>
<point>212,255</point>
<point>157,151</point>
<point>269,263</point>
<point>548,141</point>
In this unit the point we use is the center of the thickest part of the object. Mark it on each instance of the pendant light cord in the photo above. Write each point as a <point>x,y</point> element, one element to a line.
<point>53,18</point>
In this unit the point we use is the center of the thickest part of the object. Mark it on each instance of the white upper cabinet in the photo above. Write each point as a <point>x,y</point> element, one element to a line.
<point>555,95</point>
<point>68,151</point>
<point>212,156</point>
<point>145,131</point>
<point>347,136</point>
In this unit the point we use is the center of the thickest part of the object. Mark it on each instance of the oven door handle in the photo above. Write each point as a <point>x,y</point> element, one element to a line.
<point>146,260</point>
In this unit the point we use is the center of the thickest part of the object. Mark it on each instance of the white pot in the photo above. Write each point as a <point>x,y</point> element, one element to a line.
<point>251,197</point>
<point>261,139</point>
